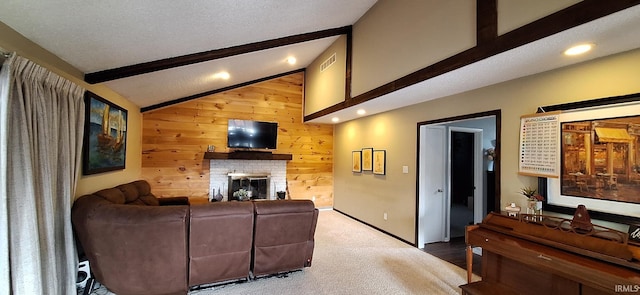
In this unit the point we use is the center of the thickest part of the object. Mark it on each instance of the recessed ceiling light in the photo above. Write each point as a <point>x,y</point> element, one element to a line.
<point>335,119</point>
<point>291,60</point>
<point>361,112</point>
<point>221,75</point>
<point>578,49</point>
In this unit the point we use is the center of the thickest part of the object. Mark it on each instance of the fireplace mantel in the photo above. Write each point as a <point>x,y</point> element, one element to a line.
<point>247,155</point>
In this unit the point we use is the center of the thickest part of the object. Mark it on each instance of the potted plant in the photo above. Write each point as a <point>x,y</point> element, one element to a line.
<point>241,195</point>
<point>534,201</point>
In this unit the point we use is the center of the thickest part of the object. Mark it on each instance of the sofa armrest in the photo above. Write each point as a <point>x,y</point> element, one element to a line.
<point>173,201</point>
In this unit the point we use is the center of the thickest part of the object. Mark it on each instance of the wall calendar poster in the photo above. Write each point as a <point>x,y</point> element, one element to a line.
<point>539,145</point>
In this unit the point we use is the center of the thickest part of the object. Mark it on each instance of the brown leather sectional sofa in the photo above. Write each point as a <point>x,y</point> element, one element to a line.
<point>139,244</point>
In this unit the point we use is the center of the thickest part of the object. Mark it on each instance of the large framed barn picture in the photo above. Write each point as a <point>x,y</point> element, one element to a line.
<point>105,135</point>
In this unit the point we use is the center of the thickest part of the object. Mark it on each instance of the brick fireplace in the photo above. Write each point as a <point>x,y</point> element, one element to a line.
<point>257,173</point>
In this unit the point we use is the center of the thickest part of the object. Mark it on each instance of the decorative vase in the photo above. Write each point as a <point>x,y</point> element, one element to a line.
<point>534,207</point>
<point>218,197</point>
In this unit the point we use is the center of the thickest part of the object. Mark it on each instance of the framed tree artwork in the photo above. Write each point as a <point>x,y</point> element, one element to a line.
<point>105,135</point>
<point>356,161</point>
<point>379,162</point>
<point>367,159</point>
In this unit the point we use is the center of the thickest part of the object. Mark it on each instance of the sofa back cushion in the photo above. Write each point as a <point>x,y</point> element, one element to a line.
<point>134,193</point>
<point>283,235</point>
<point>113,195</point>
<point>220,240</point>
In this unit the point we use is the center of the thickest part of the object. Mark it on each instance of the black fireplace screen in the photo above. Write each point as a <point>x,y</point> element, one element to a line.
<point>248,187</point>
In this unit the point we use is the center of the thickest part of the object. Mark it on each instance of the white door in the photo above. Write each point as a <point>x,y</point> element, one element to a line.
<point>431,185</point>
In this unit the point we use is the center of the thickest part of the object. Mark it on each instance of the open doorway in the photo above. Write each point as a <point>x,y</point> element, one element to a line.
<point>463,187</point>
<point>461,194</point>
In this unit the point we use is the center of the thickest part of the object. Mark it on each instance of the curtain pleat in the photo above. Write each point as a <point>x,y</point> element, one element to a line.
<point>44,139</point>
<point>5,274</point>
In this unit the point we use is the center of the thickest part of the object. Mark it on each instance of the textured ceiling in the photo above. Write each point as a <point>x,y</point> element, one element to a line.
<point>96,35</point>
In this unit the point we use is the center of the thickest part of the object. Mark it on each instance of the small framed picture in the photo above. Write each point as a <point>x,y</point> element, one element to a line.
<point>367,159</point>
<point>356,161</point>
<point>380,162</point>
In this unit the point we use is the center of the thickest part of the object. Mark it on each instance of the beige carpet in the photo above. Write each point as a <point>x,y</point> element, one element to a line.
<point>352,258</point>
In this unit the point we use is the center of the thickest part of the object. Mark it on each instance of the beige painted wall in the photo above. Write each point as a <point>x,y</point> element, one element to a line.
<point>367,197</point>
<point>513,14</point>
<point>326,88</point>
<point>397,37</point>
<point>13,41</point>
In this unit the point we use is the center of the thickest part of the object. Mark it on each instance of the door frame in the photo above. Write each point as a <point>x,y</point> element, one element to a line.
<point>498,123</point>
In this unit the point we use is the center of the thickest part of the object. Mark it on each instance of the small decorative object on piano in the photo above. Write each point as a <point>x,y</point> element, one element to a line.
<point>512,210</point>
<point>581,219</point>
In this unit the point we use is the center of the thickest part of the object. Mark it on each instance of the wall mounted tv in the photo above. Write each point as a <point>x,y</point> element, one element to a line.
<point>247,134</point>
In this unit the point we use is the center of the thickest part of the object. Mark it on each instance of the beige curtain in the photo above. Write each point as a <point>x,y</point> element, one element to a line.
<point>42,118</point>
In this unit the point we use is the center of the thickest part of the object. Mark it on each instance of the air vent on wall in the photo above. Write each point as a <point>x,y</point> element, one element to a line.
<point>327,63</point>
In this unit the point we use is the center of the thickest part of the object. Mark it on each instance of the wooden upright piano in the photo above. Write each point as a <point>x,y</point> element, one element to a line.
<point>545,255</point>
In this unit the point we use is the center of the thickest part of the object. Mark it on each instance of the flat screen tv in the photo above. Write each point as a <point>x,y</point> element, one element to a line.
<point>247,134</point>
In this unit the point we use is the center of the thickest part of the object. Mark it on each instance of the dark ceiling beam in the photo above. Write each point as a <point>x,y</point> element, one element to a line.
<point>163,64</point>
<point>347,73</point>
<point>486,21</point>
<point>487,46</point>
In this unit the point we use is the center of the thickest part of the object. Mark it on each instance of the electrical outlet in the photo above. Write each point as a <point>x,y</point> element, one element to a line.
<point>313,198</point>
<point>385,215</point>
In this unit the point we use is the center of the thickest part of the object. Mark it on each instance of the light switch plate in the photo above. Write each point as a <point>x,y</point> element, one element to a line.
<point>405,169</point>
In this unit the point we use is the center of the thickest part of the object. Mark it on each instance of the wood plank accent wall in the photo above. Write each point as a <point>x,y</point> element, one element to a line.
<point>174,140</point>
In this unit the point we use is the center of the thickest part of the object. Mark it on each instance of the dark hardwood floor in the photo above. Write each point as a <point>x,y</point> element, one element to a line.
<point>454,252</point>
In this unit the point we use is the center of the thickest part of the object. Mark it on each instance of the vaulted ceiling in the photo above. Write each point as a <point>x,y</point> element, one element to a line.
<point>242,37</point>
